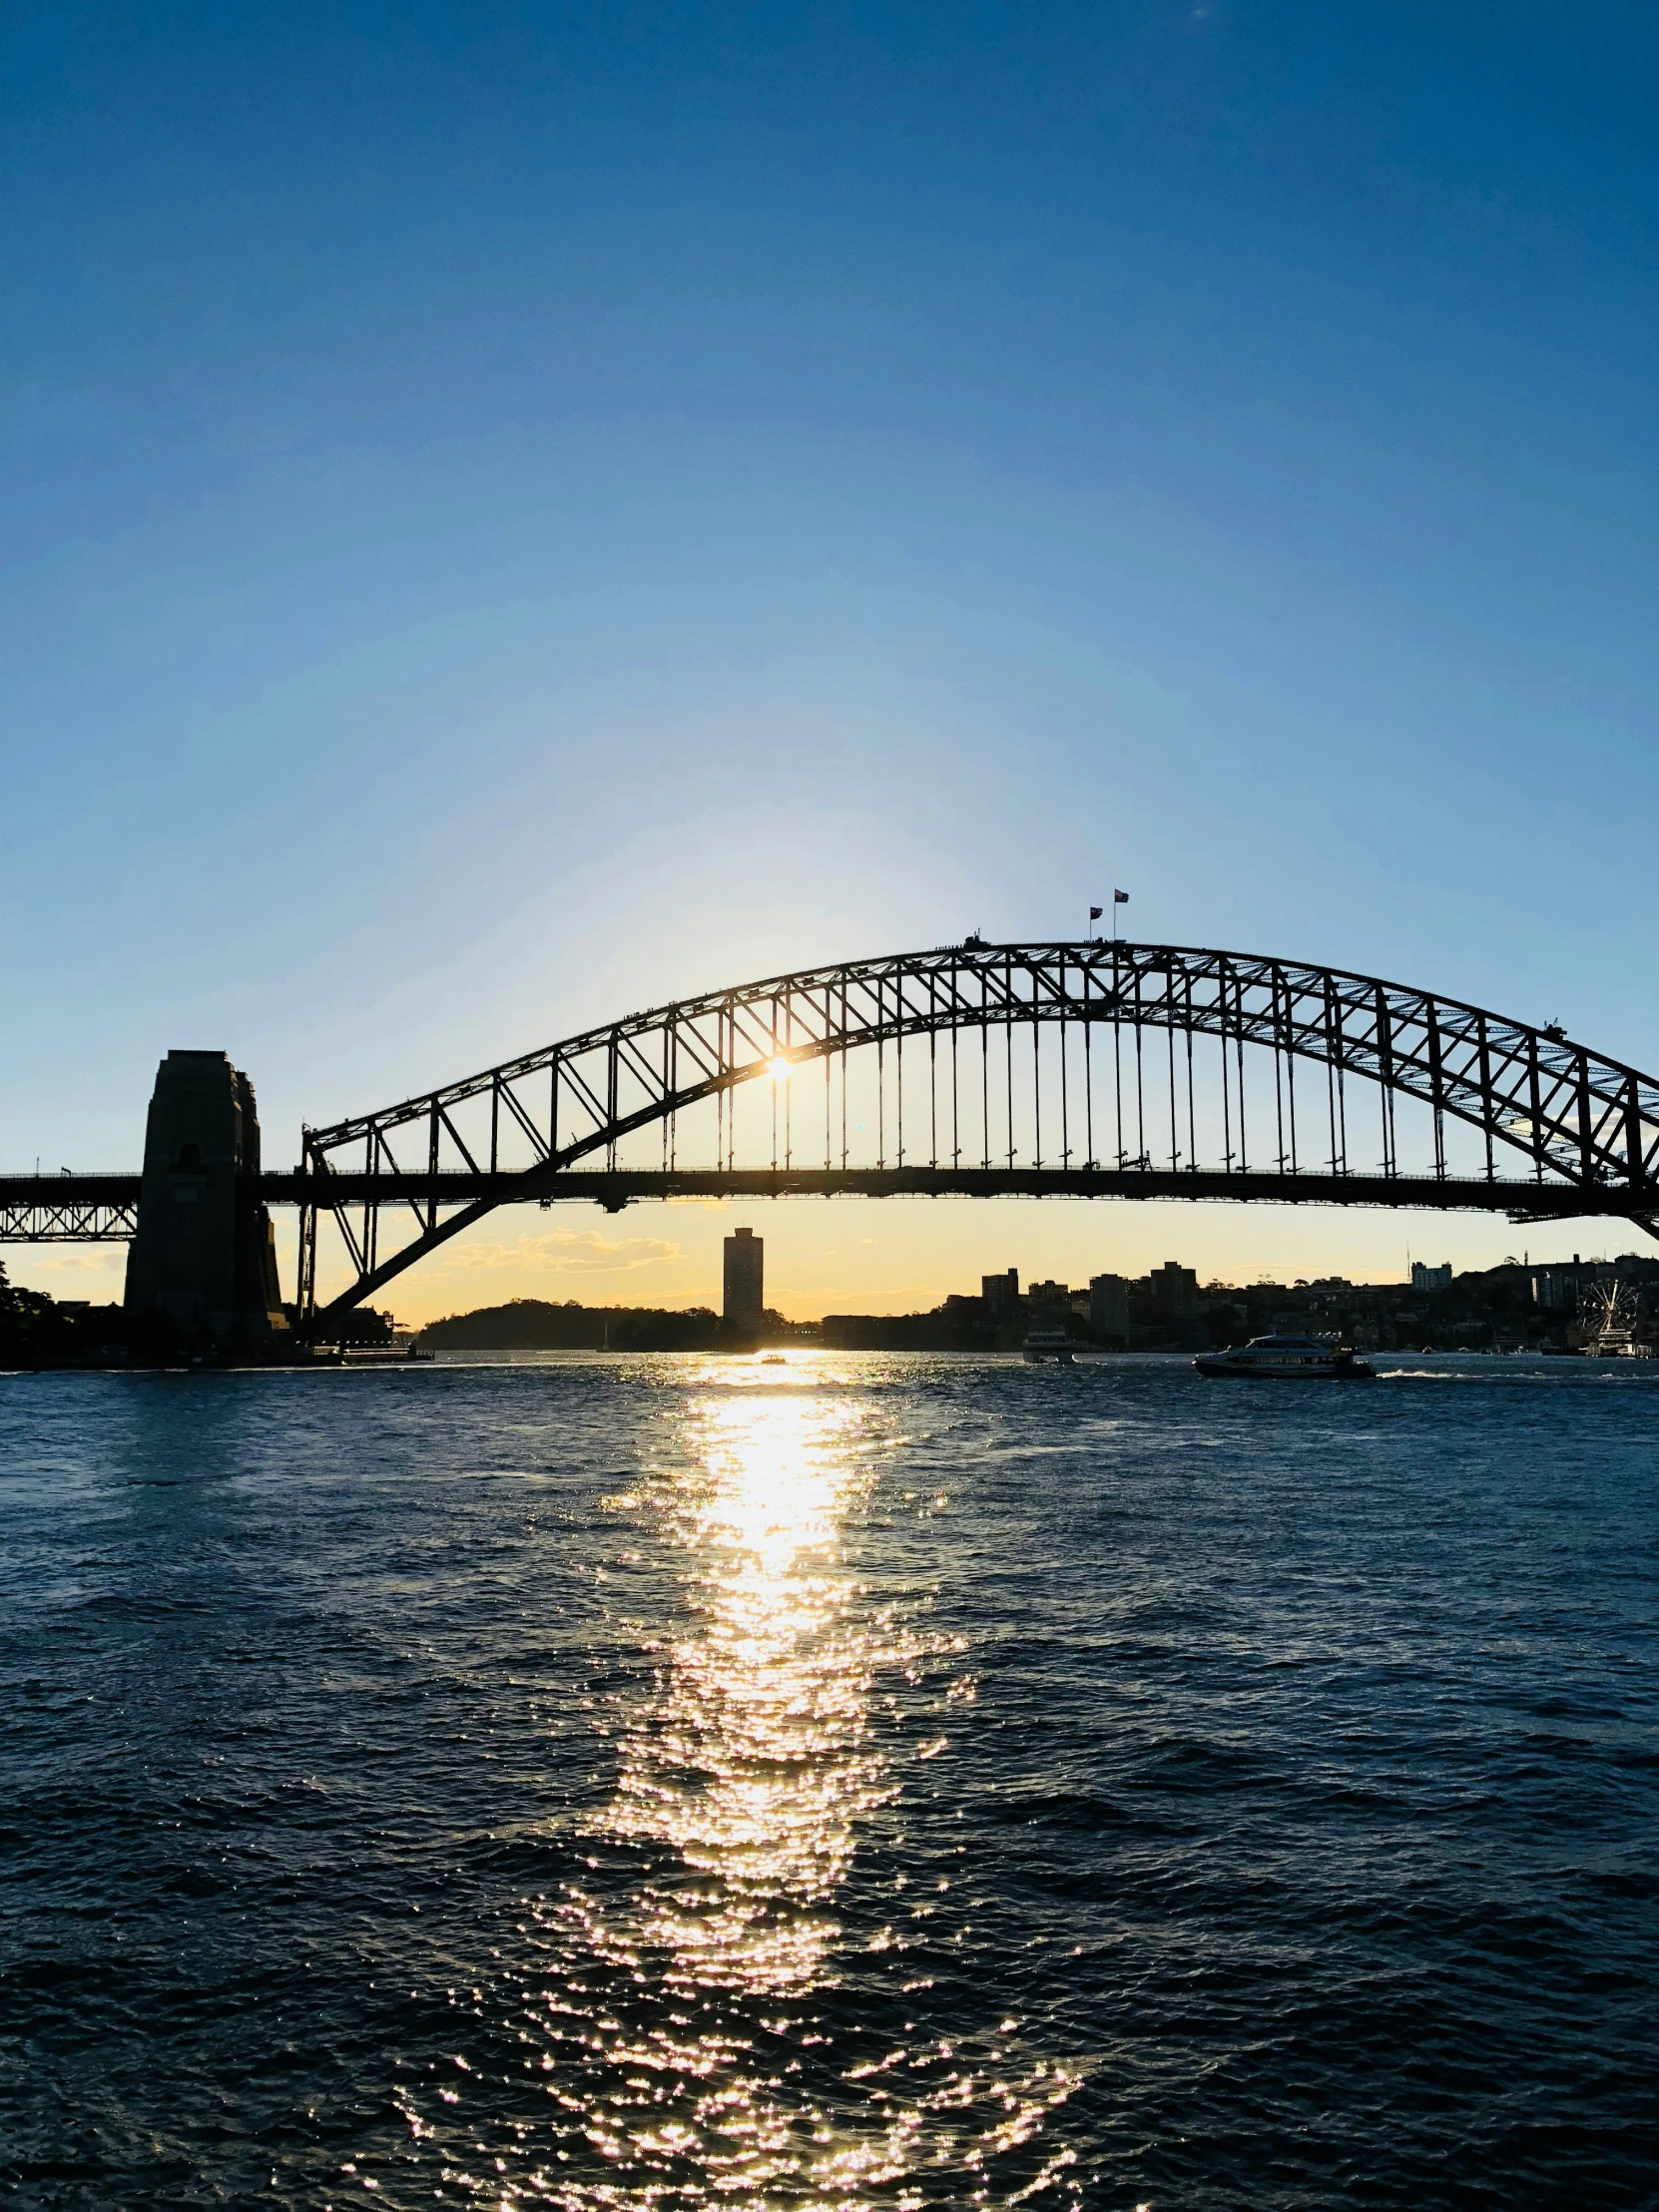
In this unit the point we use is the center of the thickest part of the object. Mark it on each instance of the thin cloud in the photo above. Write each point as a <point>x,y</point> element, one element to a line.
<point>562,1252</point>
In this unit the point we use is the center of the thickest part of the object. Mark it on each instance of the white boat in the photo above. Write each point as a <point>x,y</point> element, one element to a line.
<point>1618,1344</point>
<point>1048,1344</point>
<point>1290,1359</point>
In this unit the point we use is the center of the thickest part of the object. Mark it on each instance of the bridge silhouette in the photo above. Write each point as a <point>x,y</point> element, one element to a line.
<point>1069,1069</point>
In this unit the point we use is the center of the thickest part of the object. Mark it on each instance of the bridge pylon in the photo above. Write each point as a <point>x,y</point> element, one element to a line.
<point>202,1255</point>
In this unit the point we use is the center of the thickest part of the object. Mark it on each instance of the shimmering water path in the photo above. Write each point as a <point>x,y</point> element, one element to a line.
<point>866,1781</point>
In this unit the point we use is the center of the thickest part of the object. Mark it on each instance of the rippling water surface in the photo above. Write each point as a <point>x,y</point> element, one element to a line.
<point>669,1782</point>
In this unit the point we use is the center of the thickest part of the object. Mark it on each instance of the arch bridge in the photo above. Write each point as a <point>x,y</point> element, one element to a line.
<point>1070,1069</point>
<point>1080,1069</point>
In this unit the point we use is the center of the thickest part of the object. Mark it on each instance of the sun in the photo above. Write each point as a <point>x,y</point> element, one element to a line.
<point>778,1069</point>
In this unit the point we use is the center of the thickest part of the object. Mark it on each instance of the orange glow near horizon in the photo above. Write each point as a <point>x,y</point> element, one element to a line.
<point>870,1256</point>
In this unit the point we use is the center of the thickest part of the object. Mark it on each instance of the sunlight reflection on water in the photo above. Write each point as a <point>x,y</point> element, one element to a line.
<point>754,1761</point>
<point>675,1997</point>
<point>751,1761</point>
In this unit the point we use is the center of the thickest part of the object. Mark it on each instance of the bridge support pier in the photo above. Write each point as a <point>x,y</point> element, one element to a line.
<point>203,1256</point>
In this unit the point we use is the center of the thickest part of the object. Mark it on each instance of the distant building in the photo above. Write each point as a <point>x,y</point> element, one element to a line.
<point>1000,1293</point>
<point>1560,1289</point>
<point>1109,1306</point>
<point>1430,1279</point>
<point>1174,1291</point>
<point>745,1286</point>
<point>1054,1298</point>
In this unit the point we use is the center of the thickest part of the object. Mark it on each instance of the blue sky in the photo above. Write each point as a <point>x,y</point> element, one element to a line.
<point>516,512</point>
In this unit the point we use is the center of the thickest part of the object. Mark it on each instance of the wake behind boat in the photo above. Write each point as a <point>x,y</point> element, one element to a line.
<point>1290,1359</point>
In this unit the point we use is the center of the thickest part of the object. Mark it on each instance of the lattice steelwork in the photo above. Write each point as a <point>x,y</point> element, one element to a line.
<point>1060,1068</point>
<point>68,1209</point>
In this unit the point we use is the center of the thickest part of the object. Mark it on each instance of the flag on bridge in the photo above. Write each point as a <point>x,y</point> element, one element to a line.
<point>1095,913</point>
<point>1120,898</point>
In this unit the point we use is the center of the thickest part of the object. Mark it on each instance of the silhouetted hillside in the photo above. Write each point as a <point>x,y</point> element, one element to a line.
<point>533,1324</point>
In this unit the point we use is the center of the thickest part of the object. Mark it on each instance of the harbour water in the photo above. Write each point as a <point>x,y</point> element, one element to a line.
<point>671,1782</point>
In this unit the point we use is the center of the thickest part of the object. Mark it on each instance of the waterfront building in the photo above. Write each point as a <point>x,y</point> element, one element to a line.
<point>1174,1291</point>
<point>1430,1279</point>
<point>1000,1293</point>
<point>745,1281</point>
<point>1562,1289</point>
<point>1109,1306</point>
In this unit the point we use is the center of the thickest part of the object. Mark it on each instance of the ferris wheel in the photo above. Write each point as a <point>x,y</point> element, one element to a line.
<point>1610,1311</point>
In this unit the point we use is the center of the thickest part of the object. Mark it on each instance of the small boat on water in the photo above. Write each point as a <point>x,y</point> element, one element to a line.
<point>1048,1344</point>
<point>1290,1359</point>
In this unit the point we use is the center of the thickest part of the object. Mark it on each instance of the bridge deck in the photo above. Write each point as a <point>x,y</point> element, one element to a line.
<point>97,1207</point>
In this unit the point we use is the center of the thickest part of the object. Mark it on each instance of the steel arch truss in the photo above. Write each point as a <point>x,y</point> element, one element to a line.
<point>1582,1130</point>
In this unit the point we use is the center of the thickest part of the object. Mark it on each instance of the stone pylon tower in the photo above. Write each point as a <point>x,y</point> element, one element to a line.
<point>204,1257</point>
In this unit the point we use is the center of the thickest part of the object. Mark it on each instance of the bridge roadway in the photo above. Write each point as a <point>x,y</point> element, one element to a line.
<point>103,1207</point>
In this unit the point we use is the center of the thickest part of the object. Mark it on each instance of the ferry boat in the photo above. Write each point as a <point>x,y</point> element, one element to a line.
<point>1048,1344</point>
<point>1618,1344</point>
<point>1290,1359</point>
